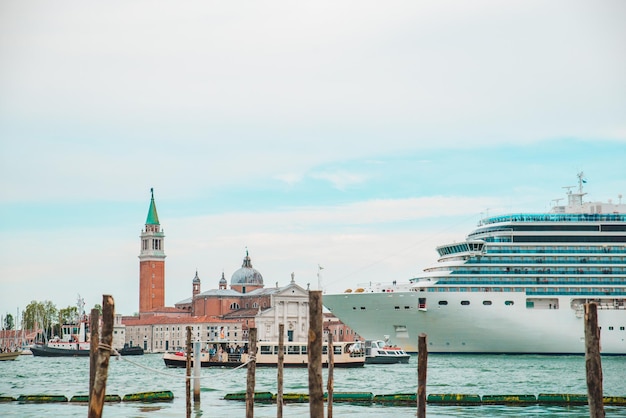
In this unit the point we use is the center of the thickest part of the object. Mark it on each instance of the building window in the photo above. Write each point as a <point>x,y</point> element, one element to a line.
<point>234,306</point>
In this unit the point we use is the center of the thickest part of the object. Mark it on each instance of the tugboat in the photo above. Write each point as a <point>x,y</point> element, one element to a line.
<point>73,341</point>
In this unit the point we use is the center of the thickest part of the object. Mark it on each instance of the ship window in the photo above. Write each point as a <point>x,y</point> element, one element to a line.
<point>407,307</point>
<point>508,303</point>
<point>465,302</point>
<point>610,328</point>
<point>362,308</point>
<point>396,308</point>
<point>486,302</point>
<point>621,328</point>
<point>443,302</point>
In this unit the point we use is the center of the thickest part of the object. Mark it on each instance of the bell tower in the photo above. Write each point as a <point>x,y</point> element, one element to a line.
<point>152,263</point>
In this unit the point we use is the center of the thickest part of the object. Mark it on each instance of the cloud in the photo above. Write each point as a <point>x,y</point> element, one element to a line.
<point>341,180</point>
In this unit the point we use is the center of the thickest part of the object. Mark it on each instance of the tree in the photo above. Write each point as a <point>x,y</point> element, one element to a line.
<point>68,315</point>
<point>8,322</point>
<point>40,315</point>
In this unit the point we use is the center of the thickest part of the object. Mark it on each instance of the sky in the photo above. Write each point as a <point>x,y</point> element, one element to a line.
<point>352,135</point>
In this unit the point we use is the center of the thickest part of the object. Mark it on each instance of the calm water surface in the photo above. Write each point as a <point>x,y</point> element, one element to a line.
<point>468,374</point>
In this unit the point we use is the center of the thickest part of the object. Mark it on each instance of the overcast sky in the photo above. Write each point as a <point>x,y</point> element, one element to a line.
<point>355,135</point>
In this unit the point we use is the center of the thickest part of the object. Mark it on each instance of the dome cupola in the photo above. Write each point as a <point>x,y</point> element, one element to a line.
<point>223,282</point>
<point>246,275</point>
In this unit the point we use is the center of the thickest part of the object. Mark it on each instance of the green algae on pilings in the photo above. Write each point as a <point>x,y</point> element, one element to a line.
<point>162,396</point>
<point>258,396</point>
<point>454,399</point>
<point>509,399</point>
<point>562,399</point>
<point>85,398</point>
<point>42,398</point>
<point>351,397</point>
<point>396,399</point>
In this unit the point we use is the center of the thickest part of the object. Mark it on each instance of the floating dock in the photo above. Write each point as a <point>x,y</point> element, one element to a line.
<point>148,397</point>
<point>410,399</point>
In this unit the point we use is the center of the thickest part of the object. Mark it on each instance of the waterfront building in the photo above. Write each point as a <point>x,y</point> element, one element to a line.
<point>119,332</point>
<point>158,334</point>
<point>341,332</point>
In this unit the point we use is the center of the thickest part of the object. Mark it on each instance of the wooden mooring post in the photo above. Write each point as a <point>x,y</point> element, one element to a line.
<point>330,384</point>
<point>250,381</point>
<point>280,367</point>
<point>422,362</point>
<point>593,362</point>
<point>196,371</point>
<point>188,373</point>
<point>94,339</point>
<point>314,349</point>
<point>96,396</point>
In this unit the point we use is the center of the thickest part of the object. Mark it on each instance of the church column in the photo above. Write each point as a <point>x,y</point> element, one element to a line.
<point>299,323</point>
<point>275,327</point>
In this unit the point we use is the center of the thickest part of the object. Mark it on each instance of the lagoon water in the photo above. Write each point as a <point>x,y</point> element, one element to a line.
<point>467,374</point>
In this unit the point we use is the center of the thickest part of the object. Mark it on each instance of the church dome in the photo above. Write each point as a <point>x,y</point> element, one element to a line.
<point>246,275</point>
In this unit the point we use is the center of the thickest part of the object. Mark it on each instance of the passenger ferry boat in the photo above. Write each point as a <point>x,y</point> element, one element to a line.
<point>235,354</point>
<point>517,284</point>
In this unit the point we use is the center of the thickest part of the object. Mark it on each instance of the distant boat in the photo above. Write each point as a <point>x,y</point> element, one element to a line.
<point>9,355</point>
<point>128,350</point>
<point>73,341</point>
<point>381,352</point>
<point>225,354</point>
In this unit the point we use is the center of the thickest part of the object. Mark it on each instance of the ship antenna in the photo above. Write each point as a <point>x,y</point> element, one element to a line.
<point>580,182</point>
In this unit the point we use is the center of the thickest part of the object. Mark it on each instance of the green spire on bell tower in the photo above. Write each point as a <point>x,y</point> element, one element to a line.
<point>153,217</point>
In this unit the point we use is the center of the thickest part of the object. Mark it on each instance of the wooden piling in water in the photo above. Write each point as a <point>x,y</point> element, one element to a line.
<point>280,366</point>
<point>330,384</point>
<point>314,349</point>
<point>422,362</point>
<point>593,362</point>
<point>196,371</point>
<point>94,329</point>
<point>250,382</point>
<point>96,396</point>
<point>188,374</point>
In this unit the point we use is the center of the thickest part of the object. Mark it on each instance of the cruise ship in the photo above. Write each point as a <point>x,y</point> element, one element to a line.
<point>517,284</point>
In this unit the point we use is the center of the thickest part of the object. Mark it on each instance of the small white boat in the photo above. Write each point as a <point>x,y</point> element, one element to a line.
<point>381,352</point>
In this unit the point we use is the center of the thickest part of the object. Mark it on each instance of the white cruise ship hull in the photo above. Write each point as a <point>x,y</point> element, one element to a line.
<point>473,327</point>
<point>517,284</point>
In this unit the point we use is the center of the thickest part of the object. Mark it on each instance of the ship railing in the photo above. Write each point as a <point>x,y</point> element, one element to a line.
<point>554,217</point>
